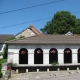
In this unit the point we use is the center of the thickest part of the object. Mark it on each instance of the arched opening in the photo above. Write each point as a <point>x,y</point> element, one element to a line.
<point>23,56</point>
<point>67,55</point>
<point>78,55</point>
<point>38,56</point>
<point>53,55</point>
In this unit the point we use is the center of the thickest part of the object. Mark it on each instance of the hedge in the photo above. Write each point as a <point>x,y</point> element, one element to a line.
<point>0,71</point>
<point>0,67</point>
<point>0,74</point>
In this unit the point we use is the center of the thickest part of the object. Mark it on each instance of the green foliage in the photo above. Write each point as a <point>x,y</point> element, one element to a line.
<point>21,36</point>
<point>3,61</point>
<point>14,64</point>
<point>0,71</point>
<point>61,23</point>
<point>11,38</point>
<point>0,74</point>
<point>4,53</point>
<point>54,63</point>
<point>0,67</point>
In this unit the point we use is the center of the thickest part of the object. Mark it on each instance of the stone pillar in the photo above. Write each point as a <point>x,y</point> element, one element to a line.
<point>67,69</point>
<point>37,70</point>
<point>31,58</point>
<point>58,69</point>
<point>4,68</point>
<point>47,69</point>
<point>46,58</point>
<point>26,70</point>
<point>61,56</point>
<point>77,68</point>
<point>74,56</point>
<point>17,71</point>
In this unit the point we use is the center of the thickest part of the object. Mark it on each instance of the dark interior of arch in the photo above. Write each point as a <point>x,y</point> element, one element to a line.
<point>38,56</point>
<point>53,56</point>
<point>23,58</point>
<point>67,55</point>
<point>78,55</point>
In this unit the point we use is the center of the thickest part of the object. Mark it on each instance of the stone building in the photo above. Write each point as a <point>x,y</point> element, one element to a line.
<point>44,49</point>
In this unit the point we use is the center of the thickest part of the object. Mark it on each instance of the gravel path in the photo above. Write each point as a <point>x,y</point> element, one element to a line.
<point>52,75</point>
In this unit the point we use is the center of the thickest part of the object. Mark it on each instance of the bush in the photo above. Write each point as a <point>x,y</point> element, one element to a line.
<point>0,74</point>
<point>3,60</point>
<point>14,64</point>
<point>0,71</point>
<point>0,67</point>
<point>54,63</point>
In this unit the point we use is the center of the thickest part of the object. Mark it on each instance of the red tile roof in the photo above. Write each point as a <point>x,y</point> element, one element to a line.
<point>34,29</point>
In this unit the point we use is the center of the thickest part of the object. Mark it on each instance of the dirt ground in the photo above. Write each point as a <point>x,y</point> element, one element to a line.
<point>52,75</point>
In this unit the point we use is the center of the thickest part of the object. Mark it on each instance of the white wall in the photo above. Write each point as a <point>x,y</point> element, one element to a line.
<point>13,52</point>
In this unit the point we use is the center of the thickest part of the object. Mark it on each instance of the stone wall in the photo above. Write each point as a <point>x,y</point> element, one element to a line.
<point>26,33</point>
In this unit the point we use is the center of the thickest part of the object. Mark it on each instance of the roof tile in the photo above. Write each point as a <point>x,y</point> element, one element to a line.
<point>48,39</point>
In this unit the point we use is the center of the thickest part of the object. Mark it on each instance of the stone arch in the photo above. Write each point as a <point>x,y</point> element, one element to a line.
<point>38,56</point>
<point>23,56</point>
<point>53,55</point>
<point>78,55</point>
<point>67,55</point>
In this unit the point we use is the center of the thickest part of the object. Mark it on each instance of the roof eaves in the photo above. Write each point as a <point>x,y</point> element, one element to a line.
<point>44,43</point>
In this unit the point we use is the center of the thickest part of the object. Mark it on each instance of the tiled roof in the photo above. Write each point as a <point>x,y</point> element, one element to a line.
<point>4,37</point>
<point>48,39</point>
<point>31,27</point>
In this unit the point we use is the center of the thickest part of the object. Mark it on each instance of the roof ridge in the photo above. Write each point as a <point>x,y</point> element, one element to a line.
<point>33,29</point>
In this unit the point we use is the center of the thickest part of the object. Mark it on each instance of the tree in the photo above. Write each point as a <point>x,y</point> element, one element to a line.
<point>4,53</point>
<point>61,23</point>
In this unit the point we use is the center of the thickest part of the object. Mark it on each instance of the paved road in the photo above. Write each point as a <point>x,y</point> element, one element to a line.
<point>52,75</point>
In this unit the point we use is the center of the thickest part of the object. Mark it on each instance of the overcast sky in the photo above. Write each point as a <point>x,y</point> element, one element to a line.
<point>15,12</point>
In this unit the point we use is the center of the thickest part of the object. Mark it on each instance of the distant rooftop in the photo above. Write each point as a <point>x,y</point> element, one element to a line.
<point>32,28</point>
<point>4,37</point>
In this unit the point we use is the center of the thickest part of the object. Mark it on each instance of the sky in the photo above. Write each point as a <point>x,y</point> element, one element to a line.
<point>11,22</point>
